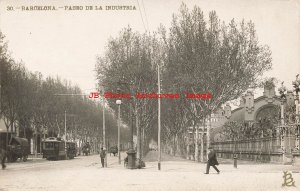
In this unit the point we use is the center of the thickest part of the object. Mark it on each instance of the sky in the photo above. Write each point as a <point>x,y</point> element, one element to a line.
<point>66,43</point>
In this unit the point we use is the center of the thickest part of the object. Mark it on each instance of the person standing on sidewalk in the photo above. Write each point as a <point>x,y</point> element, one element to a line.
<point>212,161</point>
<point>102,156</point>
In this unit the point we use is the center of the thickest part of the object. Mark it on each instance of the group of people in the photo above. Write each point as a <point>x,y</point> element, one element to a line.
<point>212,160</point>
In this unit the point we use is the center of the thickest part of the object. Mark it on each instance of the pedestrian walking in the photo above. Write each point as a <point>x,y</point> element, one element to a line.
<point>102,156</point>
<point>2,158</point>
<point>212,161</point>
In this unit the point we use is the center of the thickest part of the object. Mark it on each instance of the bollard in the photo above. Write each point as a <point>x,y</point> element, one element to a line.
<point>235,160</point>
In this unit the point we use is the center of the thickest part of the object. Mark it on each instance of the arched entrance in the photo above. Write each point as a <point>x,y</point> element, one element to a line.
<point>267,119</point>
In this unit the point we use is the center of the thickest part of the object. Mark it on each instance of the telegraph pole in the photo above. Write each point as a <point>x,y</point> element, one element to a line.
<point>66,133</point>
<point>159,128</point>
<point>119,136</point>
<point>104,141</point>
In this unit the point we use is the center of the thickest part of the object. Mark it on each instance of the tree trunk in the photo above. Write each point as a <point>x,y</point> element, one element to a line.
<point>197,145</point>
<point>11,126</point>
<point>24,132</point>
<point>202,141</point>
<point>79,146</point>
<point>138,134</point>
<point>208,135</point>
<point>143,143</point>
<point>40,144</point>
<point>35,147</point>
<point>174,145</point>
<point>7,131</point>
<point>188,152</point>
<point>202,148</point>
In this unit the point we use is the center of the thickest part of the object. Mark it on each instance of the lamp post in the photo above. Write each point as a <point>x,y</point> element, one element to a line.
<point>118,102</point>
<point>131,152</point>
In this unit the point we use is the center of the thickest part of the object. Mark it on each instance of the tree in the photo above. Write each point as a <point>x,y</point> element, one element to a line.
<point>130,63</point>
<point>212,57</point>
<point>29,104</point>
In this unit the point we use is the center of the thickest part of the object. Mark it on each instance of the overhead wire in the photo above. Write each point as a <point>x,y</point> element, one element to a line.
<point>145,15</point>
<point>141,14</point>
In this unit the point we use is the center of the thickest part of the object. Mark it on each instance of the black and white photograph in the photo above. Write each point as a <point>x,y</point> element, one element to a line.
<point>149,95</point>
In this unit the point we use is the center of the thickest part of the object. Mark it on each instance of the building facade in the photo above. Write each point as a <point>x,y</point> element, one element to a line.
<point>269,131</point>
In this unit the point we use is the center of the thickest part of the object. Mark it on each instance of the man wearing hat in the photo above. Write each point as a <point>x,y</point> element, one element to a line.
<point>212,161</point>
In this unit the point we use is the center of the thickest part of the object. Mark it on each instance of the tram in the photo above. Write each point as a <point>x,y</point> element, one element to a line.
<point>54,149</point>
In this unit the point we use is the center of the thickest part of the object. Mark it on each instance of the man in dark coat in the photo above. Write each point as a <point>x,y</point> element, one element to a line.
<point>212,161</point>
<point>102,156</point>
<point>2,158</point>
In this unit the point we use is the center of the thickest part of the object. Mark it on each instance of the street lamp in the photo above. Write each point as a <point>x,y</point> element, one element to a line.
<point>131,152</point>
<point>118,102</point>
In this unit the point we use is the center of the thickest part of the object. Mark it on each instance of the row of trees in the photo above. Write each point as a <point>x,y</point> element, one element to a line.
<point>195,55</point>
<point>30,105</point>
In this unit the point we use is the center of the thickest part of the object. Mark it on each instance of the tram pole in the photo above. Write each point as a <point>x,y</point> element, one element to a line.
<point>118,102</point>
<point>104,141</point>
<point>66,134</point>
<point>159,127</point>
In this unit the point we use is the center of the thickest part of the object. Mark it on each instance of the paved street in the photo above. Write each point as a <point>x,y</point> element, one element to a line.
<point>85,173</point>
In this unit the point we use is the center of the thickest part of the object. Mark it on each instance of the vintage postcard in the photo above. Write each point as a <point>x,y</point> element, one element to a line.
<point>175,95</point>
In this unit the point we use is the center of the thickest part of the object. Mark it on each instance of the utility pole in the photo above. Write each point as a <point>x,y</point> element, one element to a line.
<point>66,133</point>
<point>104,141</point>
<point>119,148</point>
<point>197,144</point>
<point>119,124</point>
<point>159,127</point>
